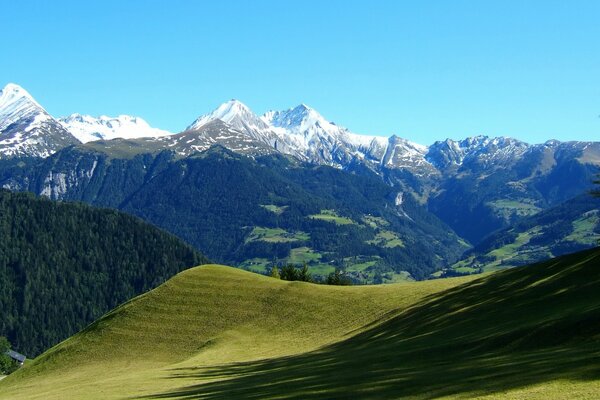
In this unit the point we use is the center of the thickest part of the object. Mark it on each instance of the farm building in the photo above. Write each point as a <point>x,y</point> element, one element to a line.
<point>20,358</point>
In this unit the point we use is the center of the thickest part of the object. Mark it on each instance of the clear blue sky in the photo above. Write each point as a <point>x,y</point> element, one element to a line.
<point>422,70</point>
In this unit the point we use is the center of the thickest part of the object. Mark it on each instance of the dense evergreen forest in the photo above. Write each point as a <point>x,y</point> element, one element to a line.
<point>62,265</point>
<point>216,199</point>
<point>256,212</point>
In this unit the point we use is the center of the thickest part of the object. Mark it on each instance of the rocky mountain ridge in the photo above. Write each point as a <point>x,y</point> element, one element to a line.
<point>475,185</point>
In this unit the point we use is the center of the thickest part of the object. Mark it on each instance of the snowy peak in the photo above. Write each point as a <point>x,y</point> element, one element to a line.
<point>234,113</point>
<point>299,119</point>
<point>402,153</point>
<point>481,150</point>
<point>13,93</point>
<point>407,145</point>
<point>322,141</point>
<point>17,104</point>
<point>229,110</point>
<point>87,128</point>
<point>26,129</point>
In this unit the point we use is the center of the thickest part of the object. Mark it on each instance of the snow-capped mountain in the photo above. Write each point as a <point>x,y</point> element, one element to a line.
<point>323,141</point>
<point>304,133</point>
<point>301,132</point>
<point>402,153</point>
<point>237,115</point>
<point>17,104</point>
<point>234,113</point>
<point>215,132</point>
<point>87,128</point>
<point>26,129</point>
<point>476,152</point>
<point>459,180</point>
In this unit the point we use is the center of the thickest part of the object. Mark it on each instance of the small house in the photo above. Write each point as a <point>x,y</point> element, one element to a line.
<point>20,358</point>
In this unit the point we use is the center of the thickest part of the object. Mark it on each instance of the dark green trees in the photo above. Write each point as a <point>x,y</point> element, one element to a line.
<point>304,274</point>
<point>290,272</point>
<point>7,364</point>
<point>62,265</point>
<point>338,278</point>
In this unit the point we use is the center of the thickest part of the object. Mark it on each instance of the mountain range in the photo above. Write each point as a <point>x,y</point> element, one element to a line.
<point>475,186</point>
<point>300,131</point>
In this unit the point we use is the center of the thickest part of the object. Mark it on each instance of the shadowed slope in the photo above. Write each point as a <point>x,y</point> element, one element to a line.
<point>207,316</point>
<point>530,332</point>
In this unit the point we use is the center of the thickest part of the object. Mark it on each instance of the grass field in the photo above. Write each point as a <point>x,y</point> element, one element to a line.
<point>275,235</point>
<point>508,208</point>
<point>274,209</point>
<point>583,229</point>
<point>332,216</point>
<point>300,255</point>
<point>220,333</point>
<point>386,239</point>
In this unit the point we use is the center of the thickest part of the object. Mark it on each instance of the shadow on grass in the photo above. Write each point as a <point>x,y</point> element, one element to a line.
<point>512,329</point>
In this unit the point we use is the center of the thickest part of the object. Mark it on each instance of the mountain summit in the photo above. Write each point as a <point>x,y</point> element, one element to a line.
<point>234,113</point>
<point>26,129</point>
<point>16,103</point>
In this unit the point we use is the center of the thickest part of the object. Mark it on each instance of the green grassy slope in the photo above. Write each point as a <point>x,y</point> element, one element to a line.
<point>207,316</point>
<point>529,332</point>
<point>566,228</point>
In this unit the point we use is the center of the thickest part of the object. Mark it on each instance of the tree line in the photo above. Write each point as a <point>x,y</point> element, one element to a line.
<point>291,272</point>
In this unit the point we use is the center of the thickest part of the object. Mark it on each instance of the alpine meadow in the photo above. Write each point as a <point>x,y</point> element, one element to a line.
<point>439,240</point>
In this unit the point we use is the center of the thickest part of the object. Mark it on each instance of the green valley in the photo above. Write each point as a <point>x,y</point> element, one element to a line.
<point>254,212</point>
<point>568,227</point>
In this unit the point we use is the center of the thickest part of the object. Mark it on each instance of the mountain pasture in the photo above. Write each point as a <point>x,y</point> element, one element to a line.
<point>215,332</point>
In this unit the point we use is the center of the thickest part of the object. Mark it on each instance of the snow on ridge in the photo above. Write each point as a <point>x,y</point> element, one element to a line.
<point>87,128</point>
<point>232,112</point>
<point>17,104</point>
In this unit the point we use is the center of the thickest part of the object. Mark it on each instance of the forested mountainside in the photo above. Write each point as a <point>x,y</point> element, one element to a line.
<point>569,227</point>
<point>62,265</point>
<point>253,212</point>
<point>502,183</point>
<point>475,185</point>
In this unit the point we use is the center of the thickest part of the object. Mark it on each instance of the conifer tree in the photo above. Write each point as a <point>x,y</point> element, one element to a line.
<point>305,273</point>
<point>289,273</point>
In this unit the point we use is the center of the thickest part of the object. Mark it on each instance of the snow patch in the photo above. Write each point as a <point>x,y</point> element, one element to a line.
<point>87,128</point>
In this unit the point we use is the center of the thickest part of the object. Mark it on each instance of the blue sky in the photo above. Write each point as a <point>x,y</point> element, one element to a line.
<point>423,70</point>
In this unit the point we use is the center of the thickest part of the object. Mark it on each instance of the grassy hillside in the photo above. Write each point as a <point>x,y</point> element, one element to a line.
<point>569,227</point>
<point>219,333</point>
<point>207,316</point>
